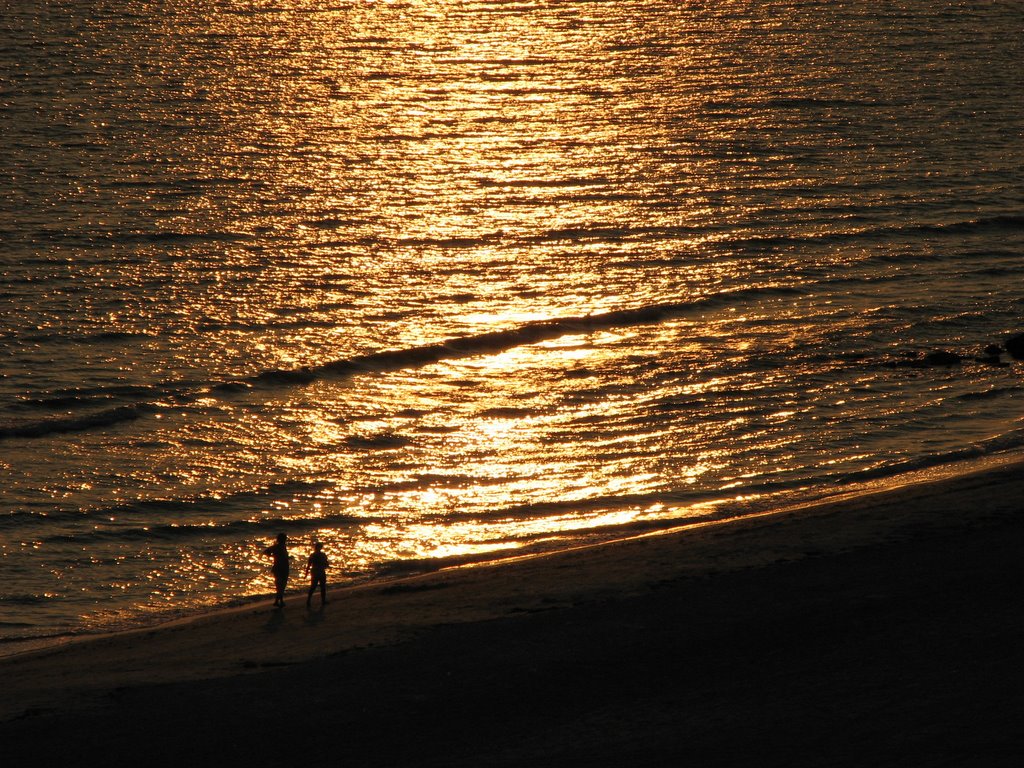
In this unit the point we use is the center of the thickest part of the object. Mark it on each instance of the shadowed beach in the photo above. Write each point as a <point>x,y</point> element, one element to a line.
<point>878,630</point>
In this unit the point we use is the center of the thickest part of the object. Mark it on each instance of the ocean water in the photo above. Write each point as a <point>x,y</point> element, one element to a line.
<point>436,281</point>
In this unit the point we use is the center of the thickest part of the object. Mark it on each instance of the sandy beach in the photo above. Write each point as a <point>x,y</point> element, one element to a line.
<point>882,629</point>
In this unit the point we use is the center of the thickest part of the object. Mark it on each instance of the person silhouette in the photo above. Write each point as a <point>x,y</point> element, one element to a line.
<point>279,551</point>
<point>317,564</point>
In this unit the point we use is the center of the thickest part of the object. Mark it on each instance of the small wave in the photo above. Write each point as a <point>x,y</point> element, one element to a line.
<point>869,232</point>
<point>681,498</point>
<point>999,444</point>
<point>382,441</point>
<point>529,544</point>
<point>528,333</point>
<point>1007,222</point>
<point>175,509</point>
<point>167,237</point>
<point>286,489</point>
<point>569,183</point>
<point>989,394</point>
<point>506,412</point>
<point>266,325</point>
<point>103,337</point>
<point>56,426</point>
<point>232,530</point>
<point>451,242</point>
<point>182,393</point>
<point>810,101</point>
<point>969,226</point>
<point>413,413</point>
<point>680,404</point>
<point>19,519</point>
<point>331,223</point>
<point>581,373</point>
<point>232,386</point>
<point>613,233</point>
<point>85,398</point>
<point>24,599</point>
<point>966,227</point>
<point>474,241</point>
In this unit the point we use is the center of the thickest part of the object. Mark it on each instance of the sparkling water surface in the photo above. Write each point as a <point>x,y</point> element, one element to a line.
<point>436,280</point>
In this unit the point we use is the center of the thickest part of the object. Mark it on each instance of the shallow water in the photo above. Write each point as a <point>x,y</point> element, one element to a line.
<point>432,280</point>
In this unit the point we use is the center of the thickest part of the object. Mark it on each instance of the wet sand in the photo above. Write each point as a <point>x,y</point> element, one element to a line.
<point>878,630</point>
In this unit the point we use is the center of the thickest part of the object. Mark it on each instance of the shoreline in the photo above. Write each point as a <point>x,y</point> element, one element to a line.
<point>16,647</point>
<point>929,568</point>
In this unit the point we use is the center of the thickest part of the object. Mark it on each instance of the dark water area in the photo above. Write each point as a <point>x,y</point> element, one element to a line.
<point>441,281</point>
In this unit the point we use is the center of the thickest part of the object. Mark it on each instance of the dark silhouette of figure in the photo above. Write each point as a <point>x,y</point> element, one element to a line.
<point>279,551</point>
<point>317,564</point>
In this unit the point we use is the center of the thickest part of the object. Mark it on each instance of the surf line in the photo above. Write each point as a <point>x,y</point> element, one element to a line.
<point>500,341</point>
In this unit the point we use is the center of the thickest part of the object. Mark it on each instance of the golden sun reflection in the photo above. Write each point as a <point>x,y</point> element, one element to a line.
<point>377,179</point>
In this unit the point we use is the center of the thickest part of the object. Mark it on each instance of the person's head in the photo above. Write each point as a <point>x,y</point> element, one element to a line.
<point>281,538</point>
<point>318,546</point>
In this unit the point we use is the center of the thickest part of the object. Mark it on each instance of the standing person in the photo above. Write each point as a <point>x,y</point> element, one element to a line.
<point>318,564</point>
<point>279,551</point>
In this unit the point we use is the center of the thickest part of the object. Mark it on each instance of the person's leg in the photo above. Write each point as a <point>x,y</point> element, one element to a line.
<point>281,581</point>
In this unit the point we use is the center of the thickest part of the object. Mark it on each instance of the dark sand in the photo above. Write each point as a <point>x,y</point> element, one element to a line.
<point>881,630</point>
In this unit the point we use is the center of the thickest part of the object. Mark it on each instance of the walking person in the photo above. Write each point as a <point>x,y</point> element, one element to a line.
<point>317,564</point>
<point>279,551</point>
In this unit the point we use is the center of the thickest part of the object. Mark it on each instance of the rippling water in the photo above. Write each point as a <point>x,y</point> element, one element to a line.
<point>438,279</point>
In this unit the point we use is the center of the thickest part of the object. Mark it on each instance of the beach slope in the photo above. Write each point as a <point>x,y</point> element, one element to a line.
<point>882,629</point>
